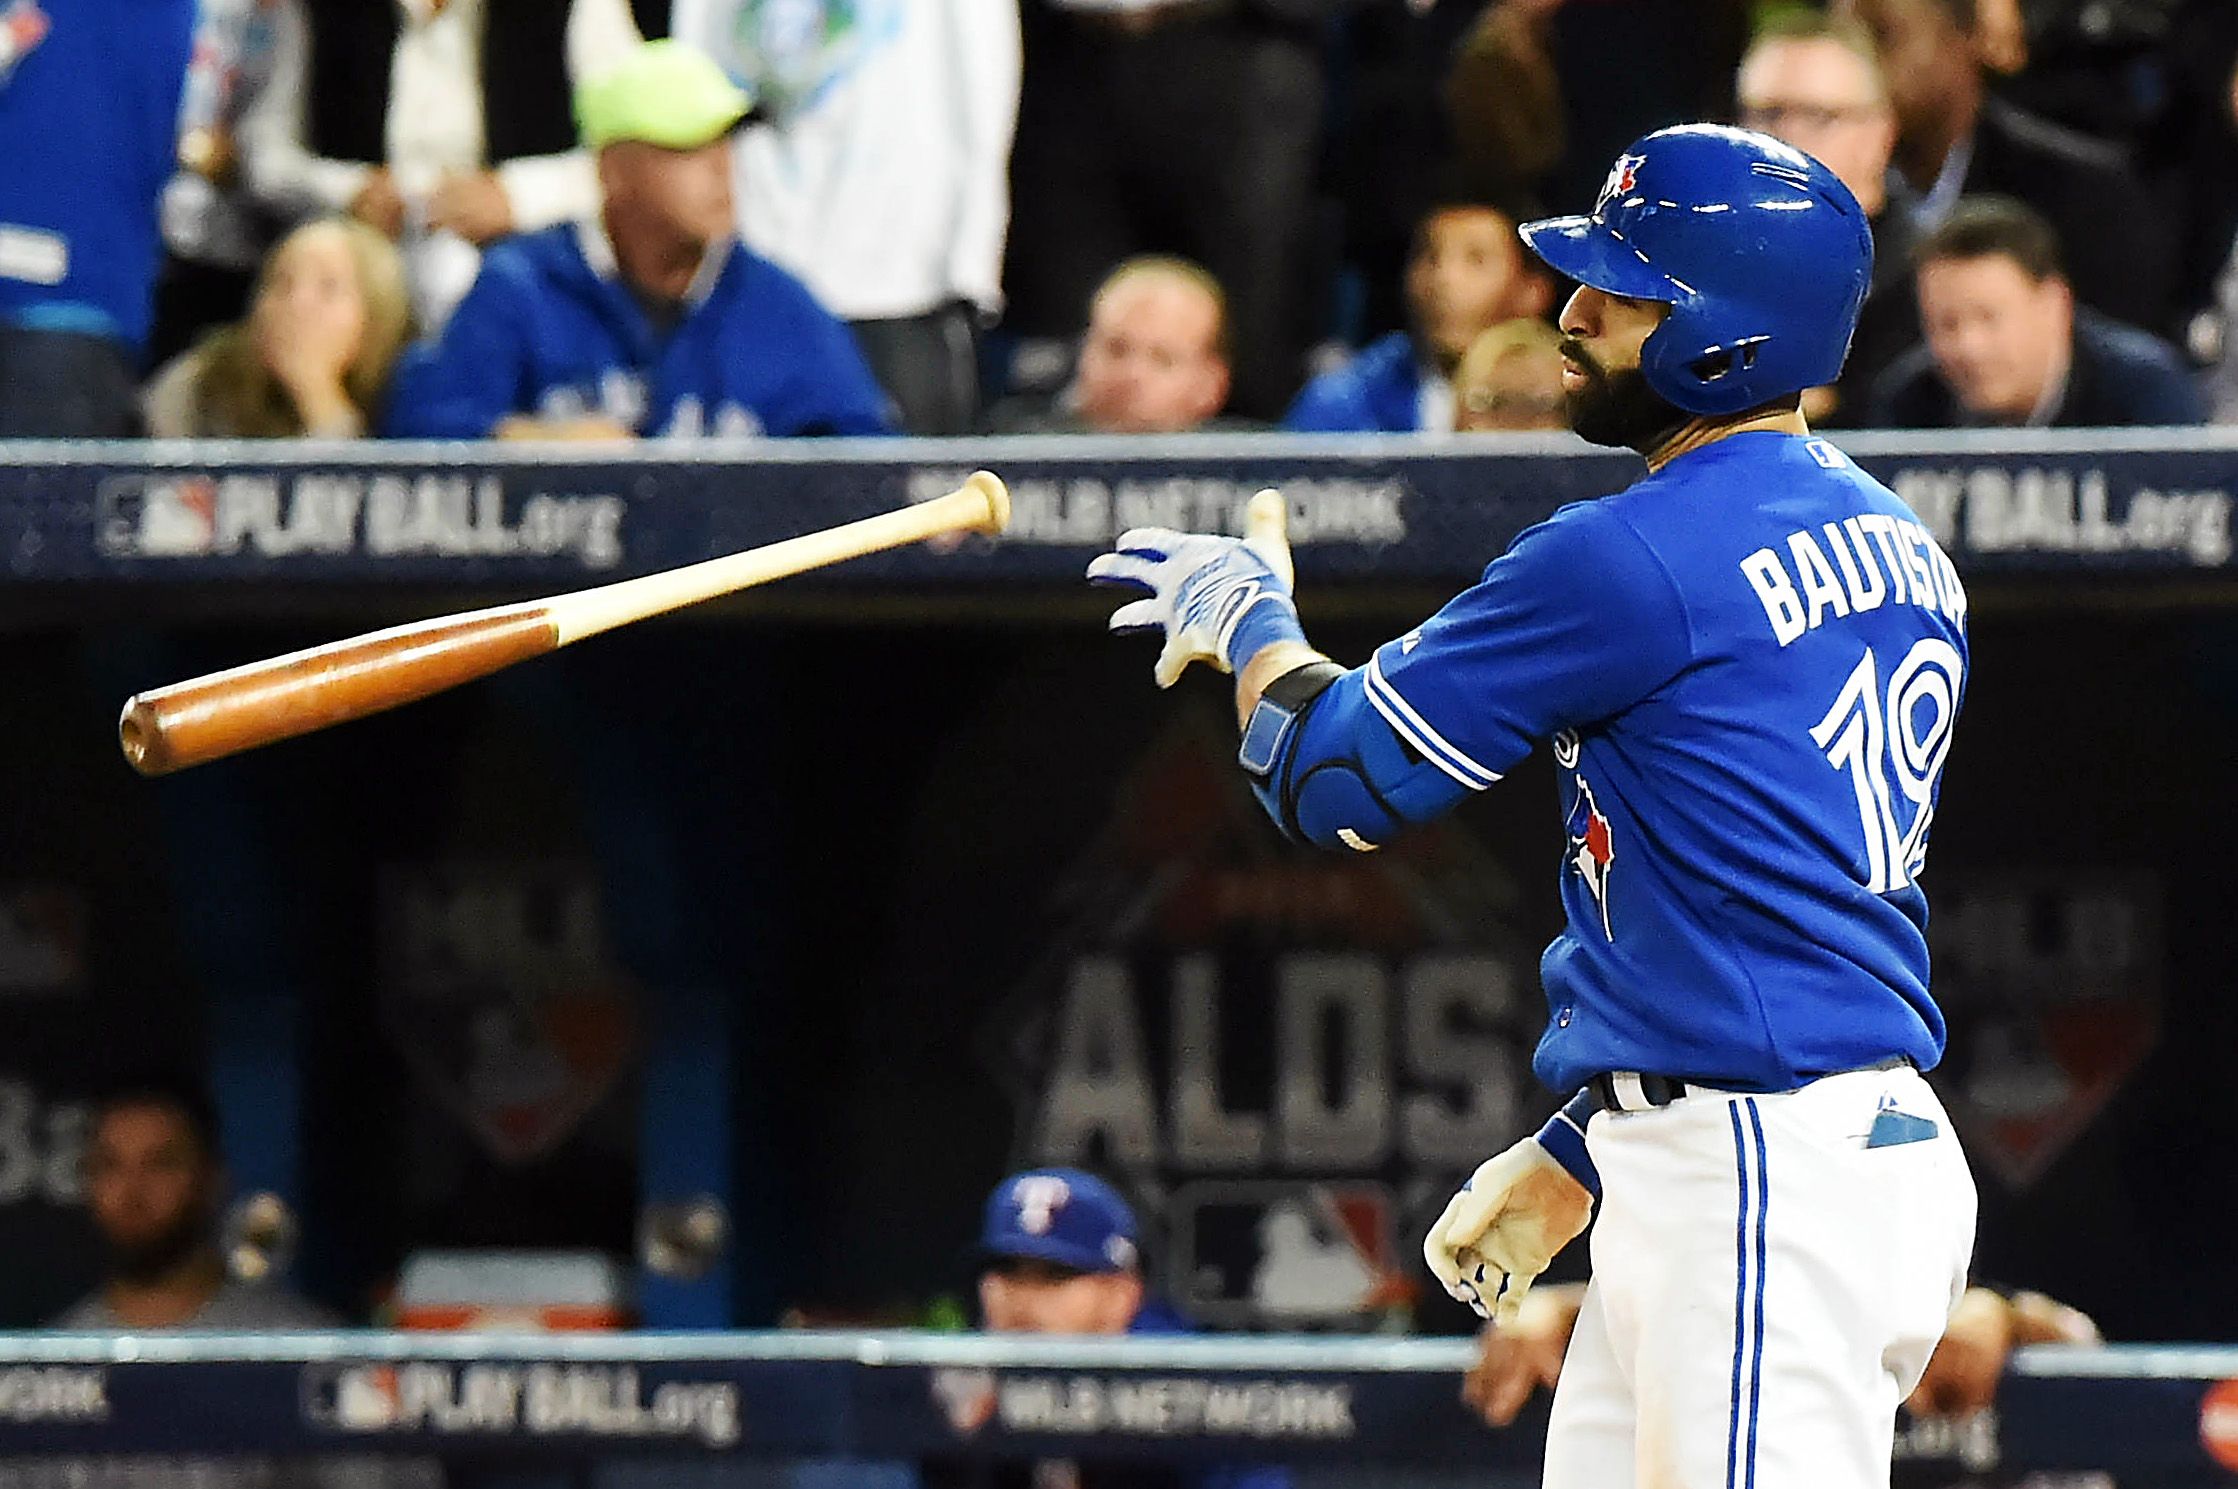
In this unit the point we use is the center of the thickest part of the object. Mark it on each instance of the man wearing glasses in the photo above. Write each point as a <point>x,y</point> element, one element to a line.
<point>1816,83</point>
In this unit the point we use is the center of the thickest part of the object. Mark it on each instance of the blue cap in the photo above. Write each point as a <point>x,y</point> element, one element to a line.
<point>1060,1215</point>
<point>1760,251</point>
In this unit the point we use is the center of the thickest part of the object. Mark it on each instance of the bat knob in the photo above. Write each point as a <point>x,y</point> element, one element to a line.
<point>991,490</point>
<point>1266,522</point>
<point>140,731</point>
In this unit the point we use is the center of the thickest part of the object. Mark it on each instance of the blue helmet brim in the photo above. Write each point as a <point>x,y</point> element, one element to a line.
<point>1583,249</point>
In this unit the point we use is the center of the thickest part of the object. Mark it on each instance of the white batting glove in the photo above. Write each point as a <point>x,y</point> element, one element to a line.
<point>1218,600</point>
<point>1503,1228</point>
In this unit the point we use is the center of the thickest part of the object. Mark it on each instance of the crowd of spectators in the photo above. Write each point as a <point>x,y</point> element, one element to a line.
<point>525,218</point>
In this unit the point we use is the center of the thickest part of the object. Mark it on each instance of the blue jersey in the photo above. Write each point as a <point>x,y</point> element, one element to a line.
<point>89,127</point>
<point>1379,391</point>
<point>551,330</point>
<point>1749,665</point>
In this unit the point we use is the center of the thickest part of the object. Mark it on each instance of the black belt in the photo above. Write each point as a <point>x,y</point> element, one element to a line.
<point>1633,1091</point>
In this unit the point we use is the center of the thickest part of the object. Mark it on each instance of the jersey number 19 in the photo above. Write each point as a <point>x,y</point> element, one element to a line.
<point>1907,742</point>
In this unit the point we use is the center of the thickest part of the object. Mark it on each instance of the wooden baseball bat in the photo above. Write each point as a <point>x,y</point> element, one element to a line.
<point>208,718</point>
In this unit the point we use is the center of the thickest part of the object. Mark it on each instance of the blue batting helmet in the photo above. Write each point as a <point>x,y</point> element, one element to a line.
<point>1762,254</point>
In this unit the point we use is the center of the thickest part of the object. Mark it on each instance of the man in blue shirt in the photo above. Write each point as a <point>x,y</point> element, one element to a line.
<point>1059,1252</point>
<point>89,109</point>
<point>652,320</point>
<point>1748,668</point>
<point>1465,274</point>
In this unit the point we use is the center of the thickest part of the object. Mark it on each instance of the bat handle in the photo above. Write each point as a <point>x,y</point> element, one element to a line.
<point>1266,525</point>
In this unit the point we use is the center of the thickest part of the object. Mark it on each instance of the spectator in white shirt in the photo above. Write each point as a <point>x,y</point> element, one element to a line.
<point>443,123</point>
<point>880,172</point>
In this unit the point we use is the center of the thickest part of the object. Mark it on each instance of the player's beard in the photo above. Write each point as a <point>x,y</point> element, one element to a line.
<point>152,1257</point>
<point>1617,409</point>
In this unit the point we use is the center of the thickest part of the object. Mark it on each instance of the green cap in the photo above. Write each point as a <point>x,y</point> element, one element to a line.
<point>665,93</point>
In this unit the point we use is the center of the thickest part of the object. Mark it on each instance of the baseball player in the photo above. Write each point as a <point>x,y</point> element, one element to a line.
<point>1748,666</point>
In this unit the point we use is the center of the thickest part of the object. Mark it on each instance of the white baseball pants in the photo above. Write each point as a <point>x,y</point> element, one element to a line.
<point>1770,1275</point>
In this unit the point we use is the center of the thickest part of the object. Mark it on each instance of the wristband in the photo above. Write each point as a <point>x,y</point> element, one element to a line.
<point>1262,616</point>
<point>1563,1137</point>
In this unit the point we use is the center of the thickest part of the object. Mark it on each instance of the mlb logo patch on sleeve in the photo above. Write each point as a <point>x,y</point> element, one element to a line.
<point>1893,1128</point>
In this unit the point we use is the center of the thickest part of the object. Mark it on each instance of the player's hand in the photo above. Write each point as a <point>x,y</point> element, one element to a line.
<point>1498,1234</point>
<point>1513,1360</point>
<point>1961,1378</point>
<point>379,204</point>
<point>1216,599</point>
<point>472,204</point>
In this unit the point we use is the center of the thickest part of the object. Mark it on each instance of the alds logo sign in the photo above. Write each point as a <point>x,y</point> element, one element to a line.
<point>1289,1060</point>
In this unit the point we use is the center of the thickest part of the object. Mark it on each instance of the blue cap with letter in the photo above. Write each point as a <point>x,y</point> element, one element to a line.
<point>1761,252</point>
<point>1062,1216</point>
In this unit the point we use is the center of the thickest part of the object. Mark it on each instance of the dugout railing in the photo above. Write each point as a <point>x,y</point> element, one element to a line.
<point>2142,511</point>
<point>1375,1408</point>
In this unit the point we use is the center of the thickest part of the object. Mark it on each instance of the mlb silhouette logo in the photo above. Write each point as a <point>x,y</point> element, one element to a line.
<point>1276,1254</point>
<point>158,517</point>
<point>966,1398</point>
<point>352,1398</point>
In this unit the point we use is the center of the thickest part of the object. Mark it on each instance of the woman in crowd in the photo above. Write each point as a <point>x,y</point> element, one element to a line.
<point>328,320</point>
<point>1510,378</point>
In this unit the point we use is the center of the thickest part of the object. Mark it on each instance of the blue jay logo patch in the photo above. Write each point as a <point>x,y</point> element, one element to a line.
<point>1623,178</point>
<point>1592,849</point>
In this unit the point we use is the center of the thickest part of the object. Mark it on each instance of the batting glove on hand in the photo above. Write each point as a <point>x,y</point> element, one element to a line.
<point>1514,1214</point>
<point>1218,600</point>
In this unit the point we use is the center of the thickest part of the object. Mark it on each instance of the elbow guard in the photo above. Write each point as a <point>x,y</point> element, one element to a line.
<point>1329,770</point>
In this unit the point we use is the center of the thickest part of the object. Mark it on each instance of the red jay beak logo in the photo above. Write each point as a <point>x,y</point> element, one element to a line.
<point>1592,849</point>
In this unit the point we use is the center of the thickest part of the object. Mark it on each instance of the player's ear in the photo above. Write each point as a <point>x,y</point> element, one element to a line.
<point>1126,1293</point>
<point>991,1314</point>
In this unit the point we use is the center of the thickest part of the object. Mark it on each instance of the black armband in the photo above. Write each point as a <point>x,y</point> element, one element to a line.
<point>1275,715</point>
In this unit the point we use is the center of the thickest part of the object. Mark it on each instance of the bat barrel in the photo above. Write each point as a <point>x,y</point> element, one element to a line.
<point>224,713</point>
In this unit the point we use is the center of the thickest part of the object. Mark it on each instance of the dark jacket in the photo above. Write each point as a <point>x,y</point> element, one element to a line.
<point>1888,326</point>
<point>2112,230</point>
<point>2119,376</point>
<point>527,108</point>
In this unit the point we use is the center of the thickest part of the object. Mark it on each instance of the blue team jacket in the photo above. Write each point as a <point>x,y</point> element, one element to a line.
<point>551,329</point>
<point>1378,391</point>
<point>89,117</point>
